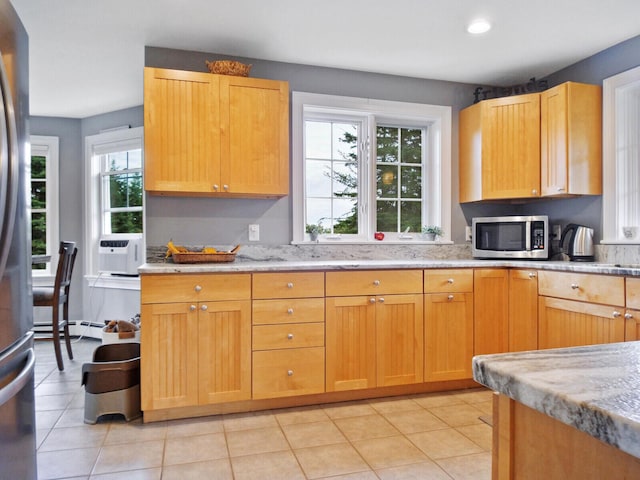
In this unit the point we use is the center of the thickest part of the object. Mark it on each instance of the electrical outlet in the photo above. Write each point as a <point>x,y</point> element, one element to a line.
<point>467,233</point>
<point>556,231</point>
<point>254,232</point>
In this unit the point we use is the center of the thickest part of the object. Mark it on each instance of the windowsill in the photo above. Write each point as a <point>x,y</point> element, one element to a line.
<point>620,242</point>
<point>374,242</point>
<point>113,281</point>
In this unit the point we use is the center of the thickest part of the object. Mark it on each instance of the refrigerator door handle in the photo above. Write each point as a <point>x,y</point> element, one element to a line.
<point>18,383</point>
<point>8,167</point>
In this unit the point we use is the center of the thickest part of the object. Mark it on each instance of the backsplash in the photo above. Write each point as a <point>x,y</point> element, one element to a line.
<point>621,254</point>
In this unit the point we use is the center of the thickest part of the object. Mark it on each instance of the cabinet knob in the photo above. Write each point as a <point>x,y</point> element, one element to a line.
<point>616,314</point>
<point>381,299</point>
<point>225,187</point>
<point>449,297</point>
<point>561,189</point>
<point>216,187</point>
<point>290,311</point>
<point>532,275</point>
<point>204,308</point>
<point>628,316</point>
<point>290,373</point>
<point>450,281</point>
<point>372,300</point>
<point>376,282</point>
<point>534,191</point>
<point>197,288</point>
<point>192,308</point>
<point>290,336</point>
<point>575,286</point>
<point>290,285</point>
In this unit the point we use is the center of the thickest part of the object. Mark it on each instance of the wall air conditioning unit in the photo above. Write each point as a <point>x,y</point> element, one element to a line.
<point>120,256</point>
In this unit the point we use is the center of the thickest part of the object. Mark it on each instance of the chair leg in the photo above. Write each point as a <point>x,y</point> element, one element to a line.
<point>56,337</point>
<point>67,340</point>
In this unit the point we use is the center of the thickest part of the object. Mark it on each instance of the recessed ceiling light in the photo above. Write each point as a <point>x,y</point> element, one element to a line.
<point>479,26</point>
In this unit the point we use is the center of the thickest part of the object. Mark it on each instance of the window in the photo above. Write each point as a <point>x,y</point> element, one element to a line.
<point>44,201</point>
<point>115,191</point>
<point>364,166</point>
<point>621,158</point>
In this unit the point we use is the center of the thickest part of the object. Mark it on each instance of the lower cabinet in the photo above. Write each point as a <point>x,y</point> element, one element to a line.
<point>448,320</point>
<point>523,310</point>
<point>491,310</point>
<point>374,341</point>
<point>632,313</point>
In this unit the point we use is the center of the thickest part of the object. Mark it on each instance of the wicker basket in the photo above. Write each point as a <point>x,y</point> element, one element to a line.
<point>229,67</point>
<point>199,257</point>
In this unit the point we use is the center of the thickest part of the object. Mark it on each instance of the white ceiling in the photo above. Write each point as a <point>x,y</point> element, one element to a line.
<point>87,56</point>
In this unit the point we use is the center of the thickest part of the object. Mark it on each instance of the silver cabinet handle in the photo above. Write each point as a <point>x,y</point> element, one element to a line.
<point>575,286</point>
<point>534,191</point>
<point>216,187</point>
<point>290,373</point>
<point>192,308</point>
<point>290,336</point>
<point>381,299</point>
<point>290,311</point>
<point>376,282</point>
<point>372,300</point>
<point>532,275</point>
<point>290,285</point>
<point>204,308</point>
<point>616,314</point>
<point>450,281</point>
<point>628,316</point>
<point>225,187</point>
<point>449,297</point>
<point>197,288</point>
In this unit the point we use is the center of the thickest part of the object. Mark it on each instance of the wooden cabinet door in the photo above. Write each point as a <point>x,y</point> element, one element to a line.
<point>448,336</point>
<point>567,323</point>
<point>399,339</point>
<point>181,131</point>
<point>351,343</point>
<point>571,140</point>
<point>511,147</point>
<point>631,325</point>
<point>523,310</point>
<point>255,136</point>
<point>491,310</point>
<point>224,351</point>
<point>169,356</point>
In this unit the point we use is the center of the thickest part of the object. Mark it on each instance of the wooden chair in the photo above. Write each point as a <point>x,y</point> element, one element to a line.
<point>58,295</point>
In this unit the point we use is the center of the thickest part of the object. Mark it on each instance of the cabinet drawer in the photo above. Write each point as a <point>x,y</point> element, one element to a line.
<point>293,335</point>
<point>580,286</point>
<point>633,293</point>
<point>172,288</point>
<point>450,280</point>
<point>283,373</point>
<point>293,310</point>
<point>373,282</point>
<point>288,285</point>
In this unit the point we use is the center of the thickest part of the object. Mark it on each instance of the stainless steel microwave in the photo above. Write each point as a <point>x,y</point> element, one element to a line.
<point>518,237</point>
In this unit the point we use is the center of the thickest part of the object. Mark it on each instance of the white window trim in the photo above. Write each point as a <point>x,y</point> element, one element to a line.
<point>49,147</point>
<point>611,231</point>
<point>98,144</point>
<point>439,141</point>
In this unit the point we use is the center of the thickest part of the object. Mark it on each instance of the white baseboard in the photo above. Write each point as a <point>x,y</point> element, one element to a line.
<point>86,329</point>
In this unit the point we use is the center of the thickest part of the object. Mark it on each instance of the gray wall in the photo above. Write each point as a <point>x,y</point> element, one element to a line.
<point>221,221</point>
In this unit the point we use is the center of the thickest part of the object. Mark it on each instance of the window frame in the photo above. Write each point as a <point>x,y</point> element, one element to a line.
<point>436,176</point>
<point>95,146</point>
<point>48,146</point>
<point>612,231</point>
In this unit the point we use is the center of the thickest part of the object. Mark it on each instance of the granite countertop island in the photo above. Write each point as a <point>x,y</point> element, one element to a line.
<point>595,389</point>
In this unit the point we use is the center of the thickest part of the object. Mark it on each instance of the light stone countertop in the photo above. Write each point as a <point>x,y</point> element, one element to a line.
<point>356,264</point>
<point>595,388</point>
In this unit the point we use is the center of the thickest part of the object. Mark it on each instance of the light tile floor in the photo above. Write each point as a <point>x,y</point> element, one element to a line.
<point>428,436</point>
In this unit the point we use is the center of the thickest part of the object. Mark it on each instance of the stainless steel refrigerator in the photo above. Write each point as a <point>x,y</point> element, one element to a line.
<point>17,359</point>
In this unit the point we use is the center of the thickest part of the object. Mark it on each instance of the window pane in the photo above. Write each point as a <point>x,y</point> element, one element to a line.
<point>318,211</point>
<point>345,176</point>
<point>411,184</point>
<point>316,135</point>
<point>126,222</point>
<point>39,233</point>
<point>387,216</point>
<point>345,214</point>
<point>318,178</point>
<point>125,190</point>
<point>127,160</point>
<point>411,216</point>
<point>38,195</point>
<point>411,146</point>
<point>387,176</point>
<point>387,138</point>
<point>345,141</point>
<point>38,166</point>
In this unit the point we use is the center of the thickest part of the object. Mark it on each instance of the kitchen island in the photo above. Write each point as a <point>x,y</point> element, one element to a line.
<point>570,413</point>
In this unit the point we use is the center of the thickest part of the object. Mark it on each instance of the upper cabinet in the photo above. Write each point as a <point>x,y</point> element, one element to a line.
<point>527,146</point>
<point>215,135</point>
<point>571,140</point>
<point>500,149</point>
